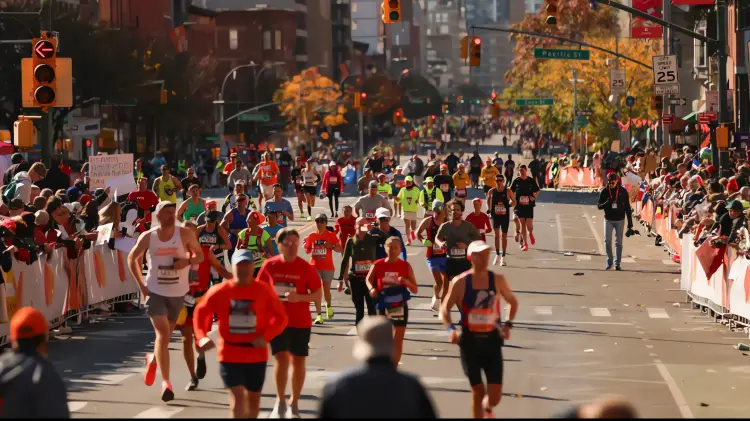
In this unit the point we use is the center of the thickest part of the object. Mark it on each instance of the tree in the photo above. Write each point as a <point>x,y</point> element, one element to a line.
<point>310,99</point>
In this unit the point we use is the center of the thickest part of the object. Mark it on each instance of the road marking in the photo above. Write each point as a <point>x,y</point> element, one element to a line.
<point>583,257</point>
<point>109,379</point>
<point>559,233</point>
<point>599,243</point>
<point>543,311</point>
<point>611,379</point>
<point>657,313</point>
<point>538,323</point>
<point>674,390</point>
<point>628,260</point>
<point>76,406</point>
<point>159,412</point>
<point>600,312</point>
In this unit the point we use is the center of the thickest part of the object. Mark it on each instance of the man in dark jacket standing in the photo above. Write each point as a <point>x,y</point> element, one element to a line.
<point>56,179</point>
<point>29,385</point>
<point>614,201</point>
<point>17,165</point>
<point>375,390</point>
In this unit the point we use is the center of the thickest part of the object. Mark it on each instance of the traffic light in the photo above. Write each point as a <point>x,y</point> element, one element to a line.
<point>163,97</point>
<point>359,100</point>
<point>44,83</point>
<point>398,117</point>
<point>657,102</point>
<point>391,11</point>
<point>445,109</point>
<point>476,52</point>
<point>24,133</point>
<point>465,47</point>
<point>551,12</point>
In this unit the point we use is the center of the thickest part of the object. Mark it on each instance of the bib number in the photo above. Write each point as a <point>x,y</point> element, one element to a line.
<point>524,200</point>
<point>242,323</point>
<point>461,193</point>
<point>282,288</point>
<point>444,188</point>
<point>319,252</point>
<point>458,252</point>
<point>370,215</point>
<point>481,320</point>
<point>614,206</point>
<point>333,180</point>
<point>166,275</point>
<point>362,267</point>
<point>395,313</point>
<point>500,210</point>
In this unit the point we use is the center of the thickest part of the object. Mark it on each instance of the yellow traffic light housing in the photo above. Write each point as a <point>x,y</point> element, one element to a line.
<point>465,47</point>
<point>445,109</point>
<point>24,132</point>
<point>163,97</point>
<point>657,102</point>
<point>398,117</point>
<point>476,52</point>
<point>551,12</point>
<point>391,11</point>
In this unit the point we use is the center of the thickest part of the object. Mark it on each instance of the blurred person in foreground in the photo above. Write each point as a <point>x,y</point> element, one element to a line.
<point>29,385</point>
<point>603,407</point>
<point>376,389</point>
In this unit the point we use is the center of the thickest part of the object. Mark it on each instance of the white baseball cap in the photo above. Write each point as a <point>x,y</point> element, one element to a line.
<point>382,213</point>
<point>477,247</point>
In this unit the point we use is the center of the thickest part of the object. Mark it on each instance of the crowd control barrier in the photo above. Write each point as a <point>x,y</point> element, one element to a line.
<point>579,178</point>
<point>64,289</point>
<point>725,295</point>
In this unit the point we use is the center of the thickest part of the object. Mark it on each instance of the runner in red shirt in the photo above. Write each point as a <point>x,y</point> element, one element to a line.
<point>297,284</point>
<point>479,219</point>
<point>320,245</point>
<point>146,200</point>
<point>390,280</point>
<point>250,315</point>
<point>346,228</point>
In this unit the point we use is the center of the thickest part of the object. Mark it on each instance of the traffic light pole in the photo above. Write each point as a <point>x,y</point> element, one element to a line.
<point>45,125</point>
<point>361,134</point>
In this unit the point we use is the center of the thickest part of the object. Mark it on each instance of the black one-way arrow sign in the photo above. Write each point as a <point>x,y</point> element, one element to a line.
<point>677,101</point>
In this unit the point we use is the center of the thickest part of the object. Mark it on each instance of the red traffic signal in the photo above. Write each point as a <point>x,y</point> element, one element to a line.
<point>88,143</point>
<point>477,40</point>
<point>363,95</point>
<point>44,49</point>
<point>398,113</point>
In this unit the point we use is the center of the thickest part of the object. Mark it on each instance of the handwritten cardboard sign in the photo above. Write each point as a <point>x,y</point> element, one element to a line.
<point>106,167</point>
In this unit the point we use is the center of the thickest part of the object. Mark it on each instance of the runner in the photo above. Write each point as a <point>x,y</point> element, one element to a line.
<point>310,179</point>
<point>345,228</point>
<point>359,254</point>
<point>384,230</point>
<point>333,185</point>
<point>444,182</point>
<point>479,219</point>
<point>499,201</point>
<point>255,239</point>
<point>169,248</point>
<point>510,168</point>
<point>461,183</point>
<point>366,205</point>
<point>384,189</point>
<point>250,315</point>
<point>236,220</point>
<point>408,198</point>
<point>429,195</point>
<point>230,202</point>
<point>455,236</point>
<point>273,227</point>
<point>477,293</point>
<point>193,206</point>
<point>397,183</point>
<point>267,177</point>
<point>299,183</point>
<point>319,245</point>
<point>167,186</point>
<point>489,173</point>
<point>279,205</point>
<point>297,284</point>
<point>200,280</point>
<point>436,260</point>
<point>391,282</point>
<point>526,191</point>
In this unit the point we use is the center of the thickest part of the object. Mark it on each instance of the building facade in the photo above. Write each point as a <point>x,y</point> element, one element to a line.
<point>445,25</point>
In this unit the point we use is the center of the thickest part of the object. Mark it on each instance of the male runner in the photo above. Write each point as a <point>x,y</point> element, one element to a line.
<point>299,183</point>
<point>461,182</point>
<point>436,260</point>
<point>319,244</point>
<point>479,219</point>
<point>366,205</point>
<point>297,284</point>
<point>510,167</point>
<point>408,198</point>
<point>359,255</point>
<point>169,249</point>
<point>279,205</point>
<point>455,236</point>
<point>477,293</point>
<point>429,195</point>
<point>268,175</point>
<point>250,315</point>
<point>526,191</point>
<point>444,182</point>
<point>489,173</point>
<point>499,201</point>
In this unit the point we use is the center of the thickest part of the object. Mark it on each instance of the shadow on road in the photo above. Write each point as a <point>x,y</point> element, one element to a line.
<point>567,294</point>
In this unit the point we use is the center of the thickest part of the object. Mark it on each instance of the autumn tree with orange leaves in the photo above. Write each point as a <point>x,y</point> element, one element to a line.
<point>311,99</point>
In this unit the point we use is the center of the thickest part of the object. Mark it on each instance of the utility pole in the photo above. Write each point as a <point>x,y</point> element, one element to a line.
<point>361,134</point>
<point>666,36</point>
<point>46,131</point>
<point>721,39</point>
<point>575,107</point>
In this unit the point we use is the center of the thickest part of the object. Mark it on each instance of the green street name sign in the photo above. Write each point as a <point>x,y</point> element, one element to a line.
<point>534,102</point>
<point>255,117</point>
<point>553,53</point>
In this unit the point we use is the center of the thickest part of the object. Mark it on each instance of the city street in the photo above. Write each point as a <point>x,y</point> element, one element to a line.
<point>580,332</point>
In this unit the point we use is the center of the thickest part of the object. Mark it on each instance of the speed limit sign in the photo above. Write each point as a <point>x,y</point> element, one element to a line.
<point>665,75</point>
<point>617,81</point>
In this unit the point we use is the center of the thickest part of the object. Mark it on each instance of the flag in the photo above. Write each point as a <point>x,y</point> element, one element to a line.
<point>710,258</point>
<point>642,195</point>
<point>706,142</point>
<point>696,164</point>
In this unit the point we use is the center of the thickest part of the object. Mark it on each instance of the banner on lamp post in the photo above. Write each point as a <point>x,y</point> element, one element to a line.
<point>641,28</point>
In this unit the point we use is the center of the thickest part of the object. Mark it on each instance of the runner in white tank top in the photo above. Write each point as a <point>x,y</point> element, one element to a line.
<point>166,285</point>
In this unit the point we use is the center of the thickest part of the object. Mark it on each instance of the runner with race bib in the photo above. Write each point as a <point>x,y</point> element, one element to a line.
<point>526,191</point>
<point>436,255</point>
<point>366,205</point>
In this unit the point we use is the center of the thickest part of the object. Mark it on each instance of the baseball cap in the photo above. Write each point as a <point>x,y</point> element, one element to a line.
<point>321,217</point>
<point>382,213</point>
<point>41,217</point>
<point>477,247</point>
<point>27,323</point>
<point>373,184</point>
<point>84,199</point>
<point>240,181</point>
<point>476,200</point>
<point>332,164</point>
<point>164,204</point>
<point>438,205</point>
<point>375,338</point>
<point>381,175</point>
<point>429,180</point>
<point>409,178</point>
<point>735,205</point>
<point>211,204</point>
<point>443,167</point>
<point>243,255</point>
<point>259,218</point>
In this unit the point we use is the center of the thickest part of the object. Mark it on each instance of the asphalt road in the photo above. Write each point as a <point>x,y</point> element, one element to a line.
<point>581,332</point>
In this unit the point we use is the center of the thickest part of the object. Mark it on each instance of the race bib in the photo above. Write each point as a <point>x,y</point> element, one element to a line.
<point>333,180</point>
<point>241,317</point>
<point>319,252</point>
<point>282,288</point>
<point>461,193</point>
<point>500,210</point>
<point>298,181</point>
<point>524,200</point>
<point>370,215</point>
<point>390,278</point>
<point>481,320</point>
<point>444,188</point>
<point>166,275</point>
<point>458,252</point>
<point>384,193</point>
<point>362,267</point>
<point>189,300</point>
<point>395,313</point>
<point>436,247</point>
<point>614,206</point>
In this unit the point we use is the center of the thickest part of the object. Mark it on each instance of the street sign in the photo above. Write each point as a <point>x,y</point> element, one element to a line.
<point>44,49</point>
<point>255,117</point>
<point>630,101</point>
<point>534,102</point>
<point>712,102</point>
<point>617,81</point>
<point>665,75</point>
<point>582,121</point>
<point>553,53</point>
<point>667,118</point>
<point>706,118</point>
<point>584,113</point>
<point>677,101</point>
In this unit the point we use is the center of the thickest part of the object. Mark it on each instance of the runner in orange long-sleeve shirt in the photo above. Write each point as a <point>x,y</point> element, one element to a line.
<point>250,315</point>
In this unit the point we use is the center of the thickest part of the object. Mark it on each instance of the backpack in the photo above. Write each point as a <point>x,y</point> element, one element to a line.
<point>9,192</point>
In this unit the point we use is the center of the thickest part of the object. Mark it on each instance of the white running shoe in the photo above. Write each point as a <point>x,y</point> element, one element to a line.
<point>279,411</point>
<point>497,257</point>
<point>435,304</point>
<point>502,261</point>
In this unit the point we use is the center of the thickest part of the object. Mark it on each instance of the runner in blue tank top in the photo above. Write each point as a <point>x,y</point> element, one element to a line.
<point>478,294</point>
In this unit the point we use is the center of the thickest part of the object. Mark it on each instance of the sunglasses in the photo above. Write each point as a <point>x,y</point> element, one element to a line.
<point>320,221</point>
<point>438,208</point>
<point>384,219</point>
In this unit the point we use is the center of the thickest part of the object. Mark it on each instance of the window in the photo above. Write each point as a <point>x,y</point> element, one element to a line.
<point>354,7</point>
<point>444,29</point>
<point>700,51</point>
<point>266,40</point>
<point>277,39</point>
<point>233,39</point>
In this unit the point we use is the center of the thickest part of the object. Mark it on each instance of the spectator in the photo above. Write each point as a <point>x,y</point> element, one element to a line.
<point>29,385</point>
<point>54,178</point>
<point>376,387</point>
<point>606,407</point>
<point>189,180</point>
<point>18,164</point>
<point>20,186</point>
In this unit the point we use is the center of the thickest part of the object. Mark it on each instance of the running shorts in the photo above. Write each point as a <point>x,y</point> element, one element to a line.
<point>437,263</point>
<point>501,222</point>
<point>159,305</point>
<point>312,190</point>
<point>525,212</point>
<point>400,321</point>
<point>410,216</point>
<point>455,267</point>
<point>482,352</point>
<point>250,375</point>
<point>326,276</point>
<point>293,340</point>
